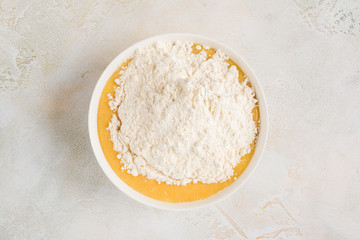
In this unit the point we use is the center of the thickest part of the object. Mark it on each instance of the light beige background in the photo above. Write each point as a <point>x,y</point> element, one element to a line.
<point>307,56</point>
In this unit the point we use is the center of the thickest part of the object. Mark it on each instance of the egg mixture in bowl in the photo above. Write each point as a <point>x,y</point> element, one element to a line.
<point>178,121</point>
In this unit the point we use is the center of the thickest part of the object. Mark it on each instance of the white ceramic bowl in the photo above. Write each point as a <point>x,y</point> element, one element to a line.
<point>95,143</point>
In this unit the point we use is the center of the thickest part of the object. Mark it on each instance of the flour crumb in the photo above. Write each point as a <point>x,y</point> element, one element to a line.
<point>179,117</point>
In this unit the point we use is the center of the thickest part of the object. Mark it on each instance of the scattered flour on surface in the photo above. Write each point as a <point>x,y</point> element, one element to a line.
<point>181,117</point>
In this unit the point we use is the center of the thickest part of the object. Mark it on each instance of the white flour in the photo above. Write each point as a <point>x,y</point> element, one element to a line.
<point>180,117</point>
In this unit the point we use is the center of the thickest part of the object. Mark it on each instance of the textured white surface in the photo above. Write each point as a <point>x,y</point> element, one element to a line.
<point>307,55</point>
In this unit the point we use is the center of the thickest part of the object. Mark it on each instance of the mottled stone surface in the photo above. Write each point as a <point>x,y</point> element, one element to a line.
<point>307,56</point>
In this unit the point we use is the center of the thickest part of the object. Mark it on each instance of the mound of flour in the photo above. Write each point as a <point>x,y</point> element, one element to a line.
<point>180,117</point>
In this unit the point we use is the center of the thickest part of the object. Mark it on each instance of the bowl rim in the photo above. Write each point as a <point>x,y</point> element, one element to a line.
<point>122,186</point>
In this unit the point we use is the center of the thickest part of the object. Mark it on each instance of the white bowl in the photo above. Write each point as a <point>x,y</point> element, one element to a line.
<point>95,143</point>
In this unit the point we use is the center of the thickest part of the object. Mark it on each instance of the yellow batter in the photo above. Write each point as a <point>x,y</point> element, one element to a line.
<point>151,188</point>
